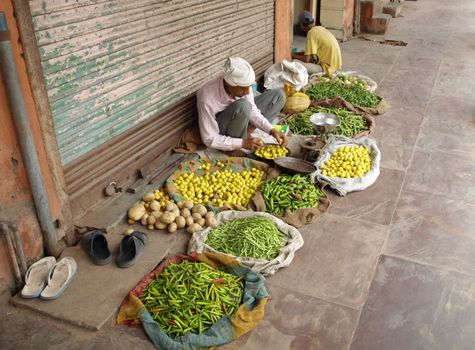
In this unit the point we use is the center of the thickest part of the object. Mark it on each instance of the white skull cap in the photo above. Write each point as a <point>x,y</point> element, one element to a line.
<point>238,72</point>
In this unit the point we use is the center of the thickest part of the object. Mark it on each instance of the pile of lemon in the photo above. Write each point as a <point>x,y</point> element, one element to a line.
<point>348,162</point>
<point>222,187</point>
<point>271,151</point>
<point>162,197</point>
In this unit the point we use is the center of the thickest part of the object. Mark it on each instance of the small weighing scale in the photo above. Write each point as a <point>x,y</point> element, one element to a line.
<point>322,123</point>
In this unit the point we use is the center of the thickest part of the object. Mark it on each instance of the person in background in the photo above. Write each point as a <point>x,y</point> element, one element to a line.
<point>321,47</point>
<point>226,106</point>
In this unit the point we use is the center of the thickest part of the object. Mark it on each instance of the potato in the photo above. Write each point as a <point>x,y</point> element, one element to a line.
<point>136,212</point>
<point>180,221</point>
<point>160,225</point>
<point>148,197</point>
<point>172,227</point>
<point>200,209</point>
<point>209,214</point>
<point>201,222</point>
<point>185,212</point>
<point>156,214</point>
<point>128,231</point>
<point>196,216</point>
<point>144,219</point>
<point>150,227</point>
<point>154,205</point>
<point>211,222</point>
<point>176,211</point>
<point>193,228</point>
<point>170,207</point>
<point>130,221</point>
<point>188,204</point>
<point>189,220</point>
<point>180,205</point>
<point>151,220</point>
<point>167,217</point>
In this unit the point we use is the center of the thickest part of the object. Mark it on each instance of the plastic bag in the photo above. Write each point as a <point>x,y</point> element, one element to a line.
<point>371,85</point>
<point>285,72</point>
<point>292,238</point>
<point>345,185</point>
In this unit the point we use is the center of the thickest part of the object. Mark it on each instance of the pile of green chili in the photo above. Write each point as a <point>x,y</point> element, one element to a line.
<point>290,192</point>
<point>254,237</point>
<point>191,297</point>
<point>350,123</point>
<point>300,123</point>
<point>354,94</point>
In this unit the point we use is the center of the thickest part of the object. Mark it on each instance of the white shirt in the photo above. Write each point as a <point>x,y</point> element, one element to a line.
<point>212,99</point>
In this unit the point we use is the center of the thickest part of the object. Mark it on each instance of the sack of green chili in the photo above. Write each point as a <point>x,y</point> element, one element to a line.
<point>347,164</point>
<point>258,240</point>
<point>191,306</point>
<point>356,95</point>
<point>294,199</point>
<point>345,110</point>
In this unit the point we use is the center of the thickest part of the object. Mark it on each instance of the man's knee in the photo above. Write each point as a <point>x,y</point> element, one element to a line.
<point>279,98</point>
<point>242,109</point>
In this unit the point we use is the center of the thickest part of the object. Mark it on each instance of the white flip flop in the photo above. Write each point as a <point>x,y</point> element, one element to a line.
<point>59,278</point>
<point>36,277</point>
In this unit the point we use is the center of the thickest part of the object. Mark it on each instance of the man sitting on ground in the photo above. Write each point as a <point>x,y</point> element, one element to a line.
<point>321,48</point>
<point>226,106</point>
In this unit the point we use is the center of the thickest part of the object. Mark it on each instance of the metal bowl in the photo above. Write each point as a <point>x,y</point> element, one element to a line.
<point>295,166</point>
<point>267,159</point>
<point>324,122</point>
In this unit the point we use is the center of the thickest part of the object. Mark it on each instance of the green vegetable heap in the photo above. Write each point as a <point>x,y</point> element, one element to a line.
<point>300,123</point>
<point>255,237</point>
<point>191,297</point>
<point>351,124</point>
<point>354,94</point>
<point>290,192</point>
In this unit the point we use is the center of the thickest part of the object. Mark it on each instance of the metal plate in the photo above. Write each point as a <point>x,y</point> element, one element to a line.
<point>294,165</point>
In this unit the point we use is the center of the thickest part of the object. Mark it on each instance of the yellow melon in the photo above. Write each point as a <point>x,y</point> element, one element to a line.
<point>297,103</point>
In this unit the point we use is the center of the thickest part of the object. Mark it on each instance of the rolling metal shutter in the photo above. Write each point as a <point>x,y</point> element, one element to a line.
<point>111,67</point>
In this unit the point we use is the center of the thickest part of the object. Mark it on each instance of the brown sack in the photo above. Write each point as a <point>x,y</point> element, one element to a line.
<point>190,141</point>
<point>296,218</point>
<point>340,102</point>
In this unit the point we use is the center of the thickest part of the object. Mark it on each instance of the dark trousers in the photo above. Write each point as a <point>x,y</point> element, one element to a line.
<point>234,120</point>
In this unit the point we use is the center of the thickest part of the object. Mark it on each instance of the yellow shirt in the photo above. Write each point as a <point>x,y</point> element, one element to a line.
<point>322,44</point>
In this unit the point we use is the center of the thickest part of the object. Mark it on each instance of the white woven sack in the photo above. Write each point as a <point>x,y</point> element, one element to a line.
<point>292,242</point>
<point>371,85</point>
<point>345,185</point>
<point>285,72</point>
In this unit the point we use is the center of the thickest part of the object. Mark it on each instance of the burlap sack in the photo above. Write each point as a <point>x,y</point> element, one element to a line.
<point>296,218</point>
<point>340,102</point>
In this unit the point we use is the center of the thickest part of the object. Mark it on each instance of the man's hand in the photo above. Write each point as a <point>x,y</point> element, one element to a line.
<point>280,137</point>
<point>252,143</point>
<point>301,56</point>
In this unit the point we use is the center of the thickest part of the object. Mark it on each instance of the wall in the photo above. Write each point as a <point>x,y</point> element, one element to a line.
<point>16,203</point>
<point>348,18</point>
<point>337,16</point>
<point>299,6</point>
<point>283,30</point>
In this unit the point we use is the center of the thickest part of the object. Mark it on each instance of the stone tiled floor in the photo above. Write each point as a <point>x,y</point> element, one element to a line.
<point>391,267</point>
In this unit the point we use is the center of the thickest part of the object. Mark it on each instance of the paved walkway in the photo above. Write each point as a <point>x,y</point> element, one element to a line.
<point>392,267</point>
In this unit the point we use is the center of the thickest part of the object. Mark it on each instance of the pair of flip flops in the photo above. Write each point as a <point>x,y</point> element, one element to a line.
<point>48,278</point>
<point>95,244</point>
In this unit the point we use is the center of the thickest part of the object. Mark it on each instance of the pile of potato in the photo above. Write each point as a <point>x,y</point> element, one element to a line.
<point>165,214</point>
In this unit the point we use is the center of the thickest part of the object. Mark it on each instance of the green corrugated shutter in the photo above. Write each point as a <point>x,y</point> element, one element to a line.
<point>110,65</point>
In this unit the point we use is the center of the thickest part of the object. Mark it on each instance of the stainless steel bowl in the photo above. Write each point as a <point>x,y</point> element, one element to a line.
<point>324,122</point>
